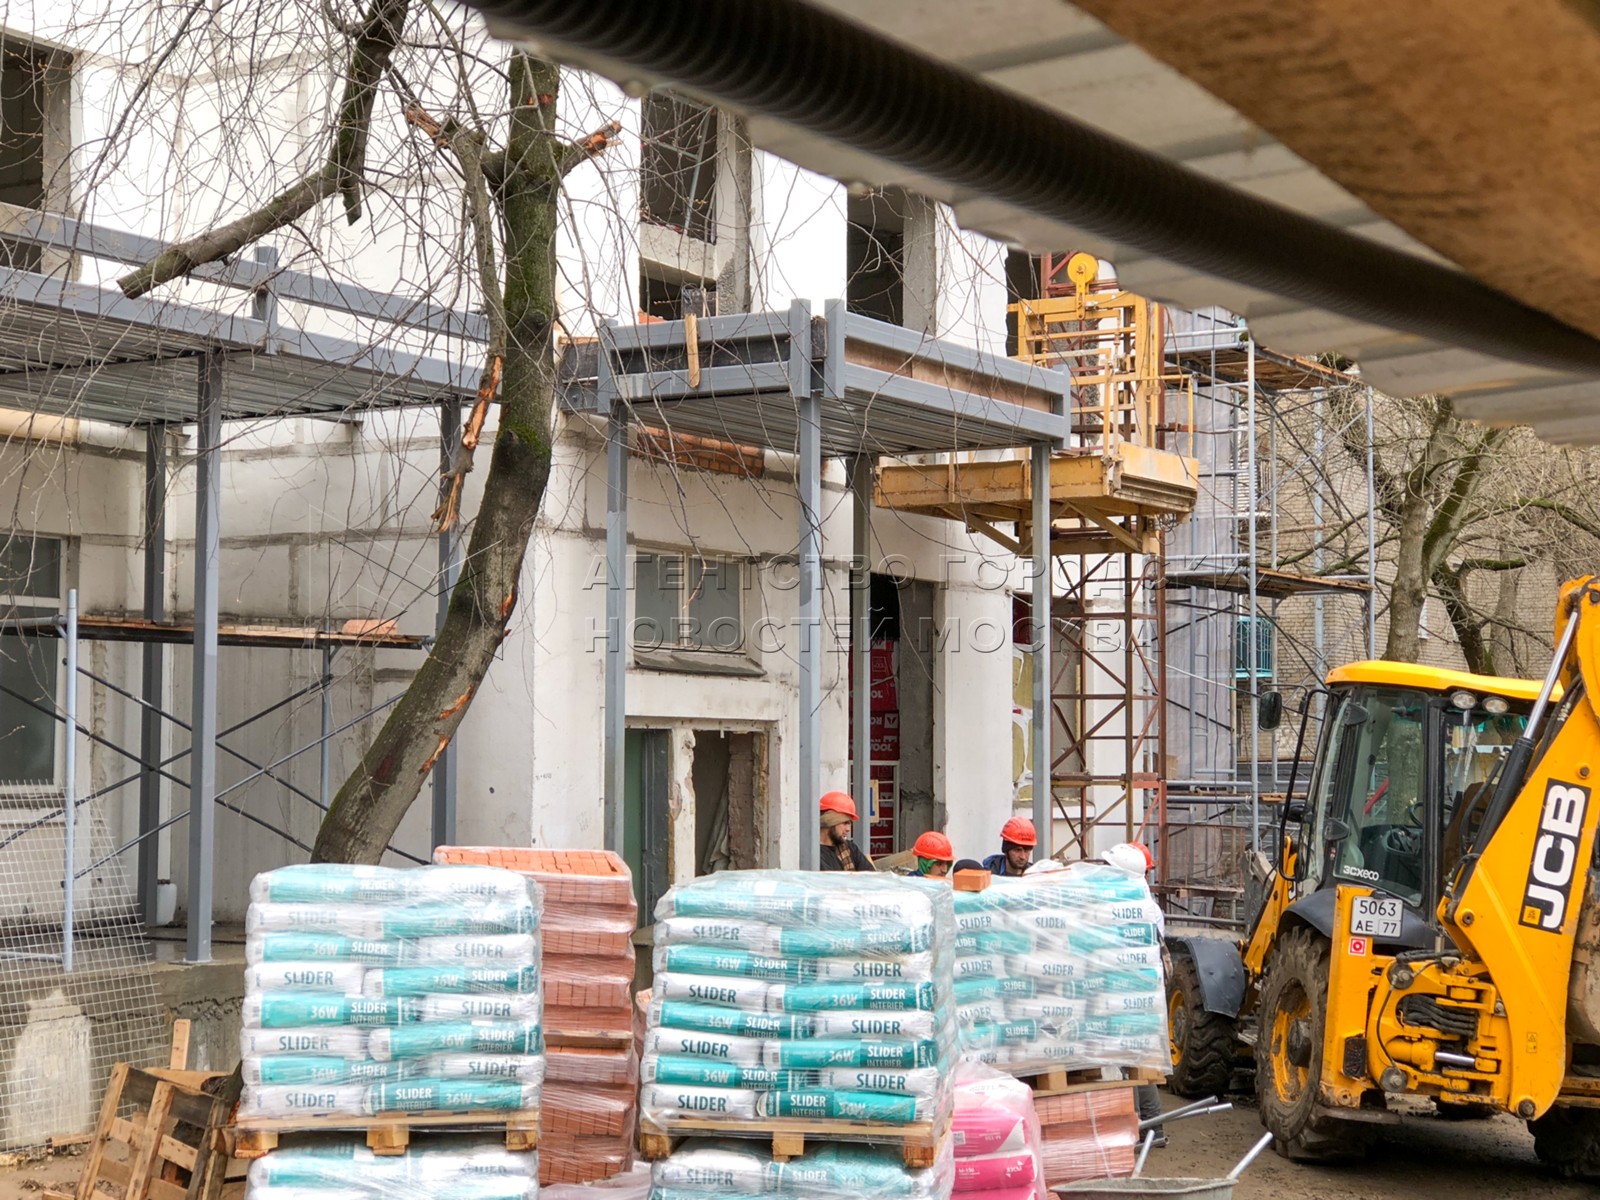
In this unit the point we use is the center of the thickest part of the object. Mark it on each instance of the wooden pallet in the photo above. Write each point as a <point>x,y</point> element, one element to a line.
<point>387,1133</point>
<point>168,1149</point>
<point>919,1143</point>
<point>1060,1080</point>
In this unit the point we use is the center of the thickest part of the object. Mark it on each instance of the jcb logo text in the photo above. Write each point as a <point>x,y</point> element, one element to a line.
<point>1555,856</point>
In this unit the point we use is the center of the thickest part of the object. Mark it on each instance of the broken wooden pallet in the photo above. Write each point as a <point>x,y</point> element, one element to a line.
<point>165,1147</point>
<point>919,1142</point>
<point>386,1133</point>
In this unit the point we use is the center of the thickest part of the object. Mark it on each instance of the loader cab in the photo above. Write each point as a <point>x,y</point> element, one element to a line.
<point>1402,771</point>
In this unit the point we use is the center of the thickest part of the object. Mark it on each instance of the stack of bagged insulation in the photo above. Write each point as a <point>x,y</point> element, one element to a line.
<point>1061,970</point>
<point>726,1170</point>
<point>371,990</point>
<point>459,1169</point>
<point>1092,1134</point>
<point>589,1105</point>
<point>996,1136</point>
<point>822,996</point>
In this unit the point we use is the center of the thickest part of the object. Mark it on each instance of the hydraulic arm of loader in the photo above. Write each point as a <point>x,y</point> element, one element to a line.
<point>1514,903</point>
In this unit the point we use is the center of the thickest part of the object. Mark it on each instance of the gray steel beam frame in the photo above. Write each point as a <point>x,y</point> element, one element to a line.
<point>80,237</point>
<point>446,768</point>
<point>861,629</point>
<point>616,664</point>
<point>155,609</point>
<point>1043,625</point>
<point>203,696</point>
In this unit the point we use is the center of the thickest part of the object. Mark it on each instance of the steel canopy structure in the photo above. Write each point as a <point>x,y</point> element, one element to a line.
<point>838,386</point>
<point>81,350</point>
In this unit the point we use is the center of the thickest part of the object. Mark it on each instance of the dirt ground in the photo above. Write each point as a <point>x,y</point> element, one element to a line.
<point>1423,1159</point>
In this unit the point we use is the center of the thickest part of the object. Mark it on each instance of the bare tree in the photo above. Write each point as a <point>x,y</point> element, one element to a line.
<point>509,165</point>
<point>1464,511</point>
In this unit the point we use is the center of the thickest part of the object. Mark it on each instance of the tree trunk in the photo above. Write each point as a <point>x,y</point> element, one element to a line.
<point>369,807</point>
<point>1409,592</point>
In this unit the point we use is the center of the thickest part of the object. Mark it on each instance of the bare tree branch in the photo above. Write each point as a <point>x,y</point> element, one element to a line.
<point>340,174</point>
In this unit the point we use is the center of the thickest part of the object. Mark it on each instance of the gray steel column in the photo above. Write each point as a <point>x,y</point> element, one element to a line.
<point>1043,796</point>
<point>861,630</point>
<point>809,470</point>
<point>445,769</point>
<point>155,609</point>
<point>203,697</point>
<point>616,666</point>
<point>69,818</point>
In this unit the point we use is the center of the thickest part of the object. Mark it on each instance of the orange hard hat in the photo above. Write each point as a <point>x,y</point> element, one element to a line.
<point>934,845</point>
<point>1019,832</point>
<point>839,802</point>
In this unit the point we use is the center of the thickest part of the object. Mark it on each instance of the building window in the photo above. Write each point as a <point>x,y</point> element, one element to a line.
<point>30,586</point>
<point>678,165</point>
<point>33,99</point>
<point>669,301</point>
<point>875,259</point>
<point>686,603</point>
<point>1265,645</point>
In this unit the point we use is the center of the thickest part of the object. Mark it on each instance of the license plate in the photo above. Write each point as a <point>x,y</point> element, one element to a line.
<point>1375,918</point>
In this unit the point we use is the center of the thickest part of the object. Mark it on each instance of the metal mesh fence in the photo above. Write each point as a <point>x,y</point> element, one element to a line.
<point>62,1030</point>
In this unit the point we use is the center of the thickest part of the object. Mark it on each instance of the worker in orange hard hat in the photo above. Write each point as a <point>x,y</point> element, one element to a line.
<point>934,855</point>
<point>839,853</point>
<point>1017,840</point>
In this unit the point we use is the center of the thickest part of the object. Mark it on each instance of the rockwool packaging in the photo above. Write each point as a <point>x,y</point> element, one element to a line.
<point>728,1170</point>
<point>788,995</point>
<point>372,990</point>
<point>996,1135</point>
<point>458,1170</point>
<point>1061,970</point>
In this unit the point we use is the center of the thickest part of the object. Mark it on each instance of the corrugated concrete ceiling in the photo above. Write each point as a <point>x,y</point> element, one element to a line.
<point>1059,56</point>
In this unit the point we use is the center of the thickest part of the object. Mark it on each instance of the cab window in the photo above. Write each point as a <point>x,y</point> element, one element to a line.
<point>1385,813</point>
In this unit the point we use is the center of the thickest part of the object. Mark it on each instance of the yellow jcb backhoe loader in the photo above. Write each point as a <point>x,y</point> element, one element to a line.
<point>1431,923</point>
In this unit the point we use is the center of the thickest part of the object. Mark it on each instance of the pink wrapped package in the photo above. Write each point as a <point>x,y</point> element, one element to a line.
<point>988,1172</point>
<point>997,1139</point>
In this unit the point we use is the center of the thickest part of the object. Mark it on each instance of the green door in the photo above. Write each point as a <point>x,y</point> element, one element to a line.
<point>644,842</point>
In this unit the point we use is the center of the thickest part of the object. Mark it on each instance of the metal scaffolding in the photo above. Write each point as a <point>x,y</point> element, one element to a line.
<point>1267,586</point>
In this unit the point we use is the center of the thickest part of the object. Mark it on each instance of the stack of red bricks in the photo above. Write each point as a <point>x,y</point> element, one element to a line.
<point>1090,1134</point>
<point>588,1108</point>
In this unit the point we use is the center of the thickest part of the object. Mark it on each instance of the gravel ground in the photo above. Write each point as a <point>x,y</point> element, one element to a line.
<point>1423,1158</point>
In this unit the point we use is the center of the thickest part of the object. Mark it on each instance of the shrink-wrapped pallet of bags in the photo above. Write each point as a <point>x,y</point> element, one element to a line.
<point>729,1170</point>
<point>801,995</point>
<point>458,1170</point>
<point>996,1138</point>
<point>1061,970</point>
<point>373,990</point>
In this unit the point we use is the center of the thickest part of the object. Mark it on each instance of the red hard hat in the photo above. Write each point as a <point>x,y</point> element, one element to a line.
<point>935,845</point>
<point>839,802</point>
<point>1019,832</point>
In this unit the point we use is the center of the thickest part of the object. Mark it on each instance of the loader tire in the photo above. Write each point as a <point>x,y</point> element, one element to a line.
<point>1567,1141</point>
<point>1294,992</point>
<point>1203,1043</point>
